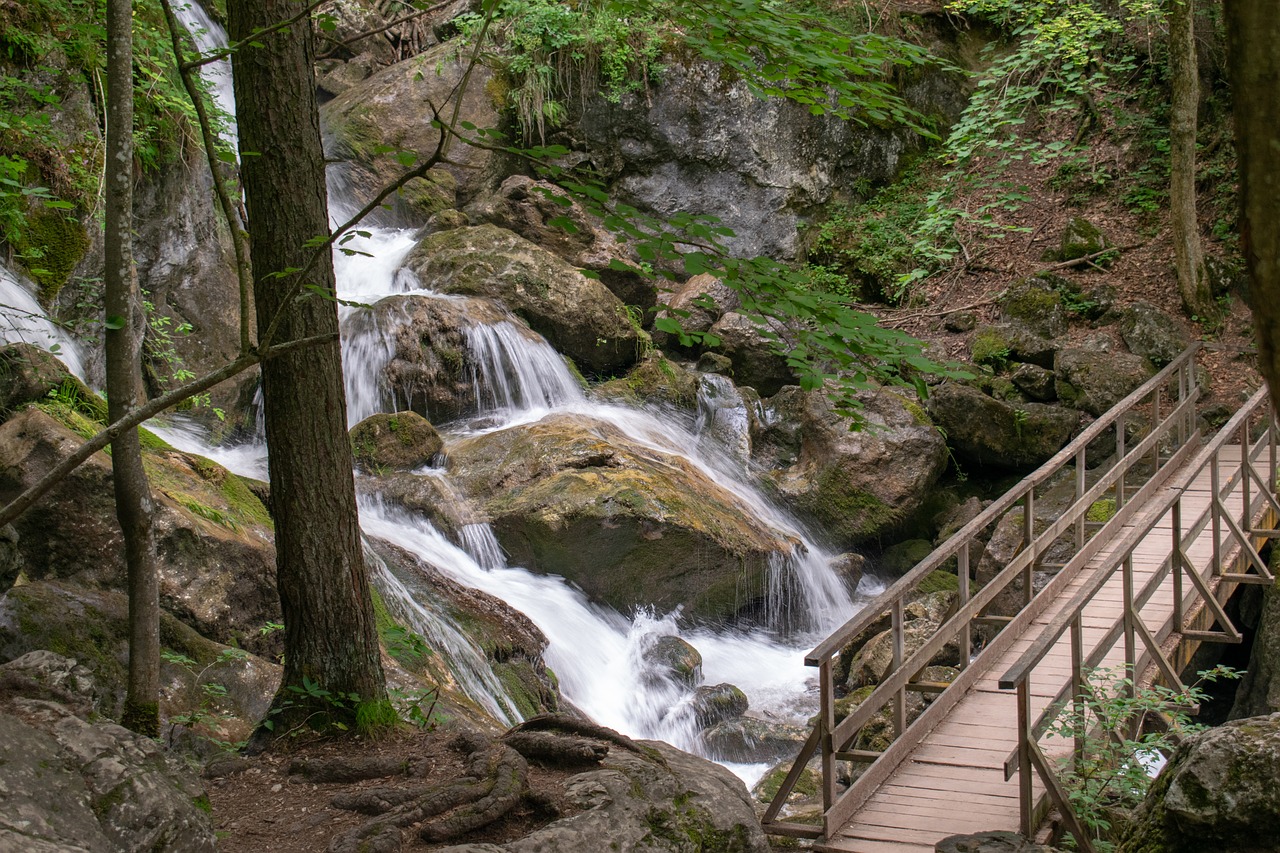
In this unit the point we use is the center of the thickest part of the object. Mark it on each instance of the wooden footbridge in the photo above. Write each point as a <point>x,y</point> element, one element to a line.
<point>1141,589</point>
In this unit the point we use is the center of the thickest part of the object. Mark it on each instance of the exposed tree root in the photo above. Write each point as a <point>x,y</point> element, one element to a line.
<point>565,725</point>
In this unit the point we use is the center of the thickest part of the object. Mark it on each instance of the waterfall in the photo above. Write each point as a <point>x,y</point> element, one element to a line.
<point>208,37</point>
<point>23,320</point>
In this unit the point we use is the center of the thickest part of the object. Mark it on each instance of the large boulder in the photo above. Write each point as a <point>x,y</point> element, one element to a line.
<point>1152,334</point>
<point>991,432</point>
<point>630,525</point>
<point>697,305</point>
<point>578,315</point>
<point>28,374</point>
<point>213,537</point>
<point>1259,691</point>
<point>70,784</point>
<point>1217,793</point>
<point>754,352</point>
<point>1036,304</point>
<point>854,486</point>
<point>376,120</point>
<point>1094,381</point>
<point>657,381</point>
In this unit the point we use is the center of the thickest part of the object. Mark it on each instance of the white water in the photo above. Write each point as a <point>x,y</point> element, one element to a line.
<point>209,36</point>
<point>22,319</point>
<point>597,653</point>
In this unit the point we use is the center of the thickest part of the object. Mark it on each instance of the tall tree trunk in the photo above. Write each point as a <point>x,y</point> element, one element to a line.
<point>1253,35</point>
<point>1193,280</point>
<point>126,324</point>
<point>324,593</point>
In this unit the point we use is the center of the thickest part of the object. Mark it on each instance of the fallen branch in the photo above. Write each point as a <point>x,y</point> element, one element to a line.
<point>1084,259</point>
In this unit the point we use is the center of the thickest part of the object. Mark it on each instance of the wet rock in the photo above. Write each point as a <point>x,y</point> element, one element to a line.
<point>849,566</point>
<point>675,659</point>
<point>757,361</point>
<point>748,741</point>
<point>856,486</point>
<point>28,374</point>
<point>727,417</point>
<point>990,842</point>
<point>990,432</point>
<point>68,784</point>
<point>656,380</point>
<point>579,316</point>
<point>1152,334</point>
<point>1035,304</point>
<point>216,560</point>
<point>714,362</point>
<point>425,495</point>
<point>10,558</point>
<point>1095,381</point>
<point>631,525</point>
<point>394,442</point>
<point>1217,793</point>
<point>342,76</point>
<point>717,703</point>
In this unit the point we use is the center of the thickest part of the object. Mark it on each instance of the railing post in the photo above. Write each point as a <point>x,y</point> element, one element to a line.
<point>899,652</point>
<point>1025,791</point>
<point>1130,642</point>
<point>1246,516</point>
<point>1120,419</point>
<point>966,633</point>
<point>1271,446</point>
<point>827,721</point>
<point>1175,558</point>
<point>1077,686</point>
<point>1182,396</point>
<point>1215,514</point>
<point>1029,537</point>
<point>1081,472</point>
<point>1155,424</point>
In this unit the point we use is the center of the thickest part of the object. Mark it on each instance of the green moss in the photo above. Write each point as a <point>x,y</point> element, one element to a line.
<point>917,411</point>
<point>989,346</point>
<point>376,718</point>
<point>807,785</point>
<point>848,513</point>
<point>1032,303</point>
<point>938,581</point>
<point>51,247</point>
<point>202,803</point>
<point>1101,511</point>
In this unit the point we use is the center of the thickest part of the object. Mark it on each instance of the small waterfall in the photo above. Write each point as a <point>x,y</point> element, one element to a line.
<point>22,319</point>
<point>209,36</point>
<point>366,348</point>
<point>516,375</point>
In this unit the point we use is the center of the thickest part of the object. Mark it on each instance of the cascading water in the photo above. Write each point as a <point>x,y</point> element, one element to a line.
<point>209,36</point>
<point>597,653</point>
<point>23,320</point>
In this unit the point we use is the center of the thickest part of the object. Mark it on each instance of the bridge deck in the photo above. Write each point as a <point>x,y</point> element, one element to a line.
<point>953,781</point>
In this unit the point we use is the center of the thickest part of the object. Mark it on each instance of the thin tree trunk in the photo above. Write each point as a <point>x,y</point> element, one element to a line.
<point>126,324</point>
<point>1253,34</point>
<point>1193,280</point>
<point>324,593</point>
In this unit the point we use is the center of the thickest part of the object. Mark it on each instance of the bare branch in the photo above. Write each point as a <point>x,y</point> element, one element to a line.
<point>223,53</point>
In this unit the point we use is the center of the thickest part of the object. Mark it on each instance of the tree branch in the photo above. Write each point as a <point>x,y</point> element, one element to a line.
<point>1075,262</point>
<point>223,53</point>
<point>397,22</point>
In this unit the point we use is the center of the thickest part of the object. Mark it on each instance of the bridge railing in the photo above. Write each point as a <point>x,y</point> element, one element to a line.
<point>1166,403</point>
<point>1235,558</point>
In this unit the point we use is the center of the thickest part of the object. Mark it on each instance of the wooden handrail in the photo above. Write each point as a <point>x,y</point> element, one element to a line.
<point>962,537</point>
<point>833,739</point>
<point>1027,757</point>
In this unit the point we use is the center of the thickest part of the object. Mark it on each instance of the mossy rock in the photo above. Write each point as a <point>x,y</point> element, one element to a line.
<point>52,246</point>
<point>28,374</point>
<point>1080,239</point>
<point>939,581</point>
<point>899,559</point>
<point>1035,304</point>
<point>394,442</point>
<point>656,379</point>
<point>674,658</point>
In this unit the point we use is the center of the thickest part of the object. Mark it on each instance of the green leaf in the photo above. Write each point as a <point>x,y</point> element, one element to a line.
<point>114,322</point>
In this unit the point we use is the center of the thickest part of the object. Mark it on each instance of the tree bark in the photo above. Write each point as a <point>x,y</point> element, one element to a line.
<point>126,325</point>
<point>1253,57</point>
<point>324,593</point>
<point>1193,279</point>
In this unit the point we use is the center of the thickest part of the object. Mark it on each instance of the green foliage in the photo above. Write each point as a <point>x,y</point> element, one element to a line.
<point>1112,775</point>
<point>1101,511</point>
<point>204,699</point>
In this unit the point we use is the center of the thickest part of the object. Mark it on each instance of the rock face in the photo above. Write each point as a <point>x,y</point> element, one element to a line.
<point>1259,691</point>
<point>699,141</point>
<point>854,485</point>
<point>68,784</point>
<point>990,432</point>
<point>754,356</point>
<point>392,108</point>
<point>1152,334</point>
<point>1095,381</point>
<point>395,442</point>
<point>631,526</point>
<point>1217,793</point>
<point>704,298</point>
<point>579,316</point>
<point>213,537</point>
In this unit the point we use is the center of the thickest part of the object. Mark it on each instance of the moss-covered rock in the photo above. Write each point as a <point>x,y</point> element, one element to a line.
<point>1094,381</point>
<point>578,315</point>
<point>855,486</point>
<point>54,244</point>
<point>1080,239</point>
<point>993,433</point>
<point>899,559</point>
<point>394,442</point>
<point>655,380</point>
<point>999,346</point>
<point>28,374</point>
<point>1152,334</point>
<point>1035,304</point>
<point>716,703</point>
<point>675,659</point>
<point>628,524</point>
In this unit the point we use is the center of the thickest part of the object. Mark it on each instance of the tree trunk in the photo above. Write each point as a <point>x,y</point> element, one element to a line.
<point>126,324</point>
<point>1193,280</point>
<point>1253,34</point>
<point>324,593</point>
